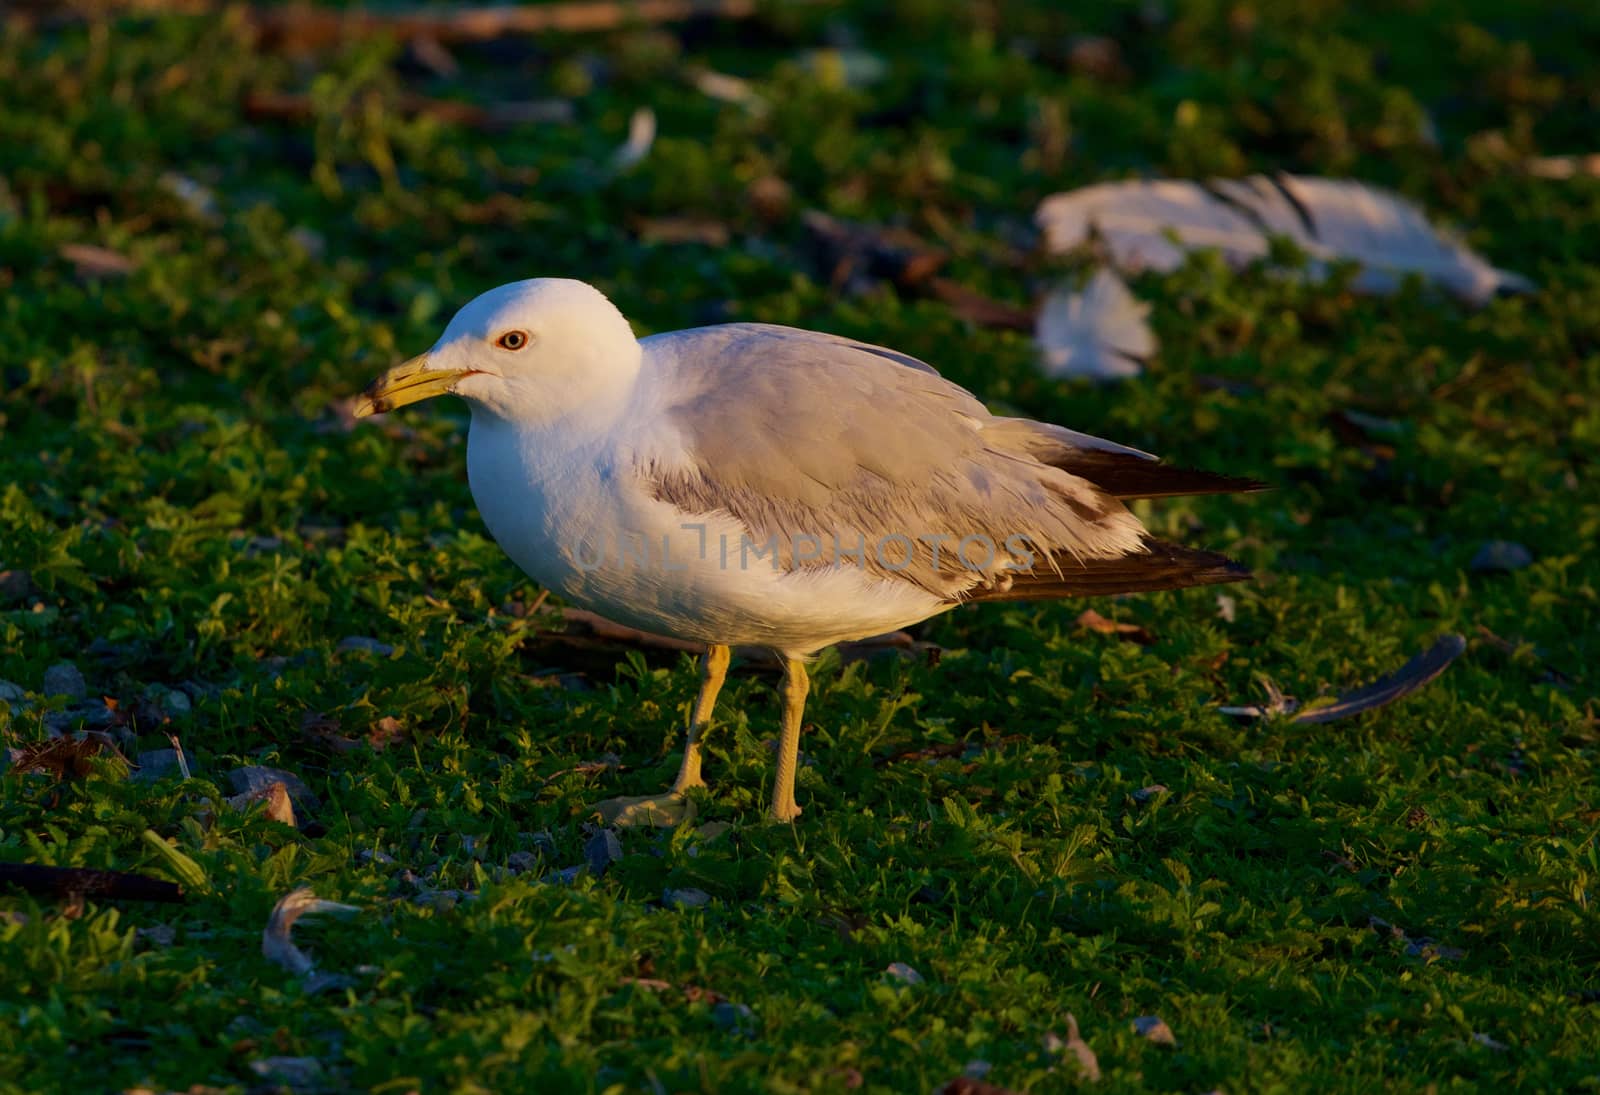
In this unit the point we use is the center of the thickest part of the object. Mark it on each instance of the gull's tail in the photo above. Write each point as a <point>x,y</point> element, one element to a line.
<point>1161,565</point>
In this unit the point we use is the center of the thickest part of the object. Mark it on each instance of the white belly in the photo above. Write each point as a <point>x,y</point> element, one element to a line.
<point>582,527</point>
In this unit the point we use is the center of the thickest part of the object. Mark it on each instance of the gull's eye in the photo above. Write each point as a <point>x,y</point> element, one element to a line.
<point>512,340</point>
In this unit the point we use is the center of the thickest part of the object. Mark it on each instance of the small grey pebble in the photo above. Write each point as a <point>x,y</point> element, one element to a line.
<point>15,585</point>
<point>63,679</point>
<point>374,855</point>
<point>602,850</point>
<point>903,973</point>
<point>443,900</point>
<point>322,981</point>
<point>522,861</point>
<point>90,715</point>
<point>245,1026</point>
<point>200,690</point>
<point>309,240</point>
<point>176,703</point>
<point>731,1016</point>
<point>155,764</point>
<point>1149,794</point>
<point>158,935</point>
<point>1501,555</point>
<point>296,1072</point>
<point>254,779</point>
<point>365,645</point>
<point>566,876</point>
<point>106,650</point>
<point>686,898</point>
<point>11,693</point>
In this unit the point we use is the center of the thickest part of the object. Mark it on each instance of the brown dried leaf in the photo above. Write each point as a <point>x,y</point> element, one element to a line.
<point>978,309</point>
<point>1095,622</point>
<point>326,730</point>
<point>850,248</point>
<point>276,796</point>
<point>1564,167</point>
<point>385,732</point>
<point>93,261</point>
<point>64,757</point>
<point>1368,433</point>
<point>770,197</point>
<point>948,749</point>
<point>967,1085</point>
<point>295,108</point>
<point>653,984</point>
<point>432,56</point>
<point>1098,56</point>
<point>706,230</point>
<point>692,993</point>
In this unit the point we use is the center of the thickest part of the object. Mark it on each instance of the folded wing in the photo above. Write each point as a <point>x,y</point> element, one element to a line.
<point>838,445</point>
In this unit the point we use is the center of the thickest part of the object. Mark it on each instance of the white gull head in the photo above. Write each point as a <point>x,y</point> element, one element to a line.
<point>530,352</point>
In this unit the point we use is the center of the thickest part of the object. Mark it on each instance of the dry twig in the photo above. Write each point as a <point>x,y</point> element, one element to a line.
<point>298,27</point>
<point>81,882</point>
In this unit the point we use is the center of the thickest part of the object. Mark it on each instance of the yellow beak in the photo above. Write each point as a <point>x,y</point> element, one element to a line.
<point>409,382</point>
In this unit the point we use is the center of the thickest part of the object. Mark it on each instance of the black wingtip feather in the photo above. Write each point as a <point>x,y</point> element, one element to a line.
<point>1162,565</point>
<point>1125,476</point>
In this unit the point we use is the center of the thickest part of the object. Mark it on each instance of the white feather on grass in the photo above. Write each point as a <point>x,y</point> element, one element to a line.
<point>1099,333</point>
<point>641,138</point>
<point>1153,225</point>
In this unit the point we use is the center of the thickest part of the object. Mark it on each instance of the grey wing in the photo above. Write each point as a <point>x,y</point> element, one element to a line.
<point>850,453</point>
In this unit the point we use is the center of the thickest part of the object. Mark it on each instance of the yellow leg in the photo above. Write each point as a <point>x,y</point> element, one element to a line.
<point>713,671</point>
<point>671,807</point>
<point>795,686</point>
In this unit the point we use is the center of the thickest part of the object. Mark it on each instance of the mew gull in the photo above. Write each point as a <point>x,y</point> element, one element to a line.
<point>755,484</point>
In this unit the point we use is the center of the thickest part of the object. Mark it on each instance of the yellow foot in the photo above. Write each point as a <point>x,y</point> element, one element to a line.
<point>667,810</point>
<point>785,814</point>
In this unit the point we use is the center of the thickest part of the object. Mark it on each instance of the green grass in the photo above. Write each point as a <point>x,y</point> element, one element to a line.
<point>192,515</point>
